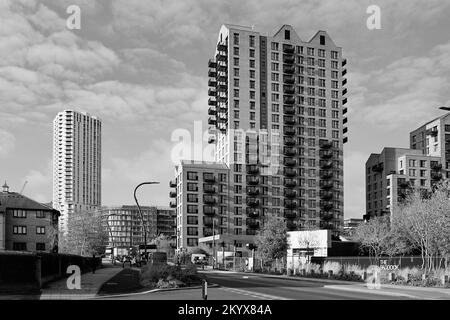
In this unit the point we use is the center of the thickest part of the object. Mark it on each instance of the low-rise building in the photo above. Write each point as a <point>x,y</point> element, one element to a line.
<point>25,224</point>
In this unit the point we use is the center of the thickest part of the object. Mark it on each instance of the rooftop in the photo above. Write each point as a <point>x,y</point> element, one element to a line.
<point>18,201</point>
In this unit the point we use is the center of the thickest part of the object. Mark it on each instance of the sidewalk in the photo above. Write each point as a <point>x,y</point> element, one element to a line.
<point>423,293</point>
<point>90,285</point>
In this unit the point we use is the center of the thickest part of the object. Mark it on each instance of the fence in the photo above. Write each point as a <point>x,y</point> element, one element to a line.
<point>26,270</point>
<point>364,262</point>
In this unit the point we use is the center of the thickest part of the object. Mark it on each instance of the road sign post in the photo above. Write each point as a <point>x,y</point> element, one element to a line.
<point>205,290</point>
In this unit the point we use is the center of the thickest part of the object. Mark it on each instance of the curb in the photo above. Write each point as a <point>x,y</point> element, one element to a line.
<point>375,291</point>
<point>151,291</point>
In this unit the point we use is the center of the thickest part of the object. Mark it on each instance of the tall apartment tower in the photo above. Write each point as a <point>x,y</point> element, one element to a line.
<point>76,164</point>
<point>278,121</point>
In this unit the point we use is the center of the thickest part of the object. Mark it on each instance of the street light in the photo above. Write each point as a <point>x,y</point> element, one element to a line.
<point>445,108</point>
<point>142,217</point>
<point>111,235</point>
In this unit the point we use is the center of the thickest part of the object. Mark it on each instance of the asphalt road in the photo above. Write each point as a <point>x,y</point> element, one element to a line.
<point>237,286</point>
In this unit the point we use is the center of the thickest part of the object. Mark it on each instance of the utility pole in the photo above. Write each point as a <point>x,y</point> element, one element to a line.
<point>214,244</point>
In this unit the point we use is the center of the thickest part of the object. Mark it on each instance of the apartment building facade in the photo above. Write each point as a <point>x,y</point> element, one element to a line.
<point>76,164</point>
<point>166,222</point>
<point>278,122</point>
<point>26,225</point>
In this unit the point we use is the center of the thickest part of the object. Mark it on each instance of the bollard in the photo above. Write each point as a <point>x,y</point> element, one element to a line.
<point>444,280</point>
<point>391,276</point>
<point>330,273</point>
<point>205,290</point>
<point>365,275</point>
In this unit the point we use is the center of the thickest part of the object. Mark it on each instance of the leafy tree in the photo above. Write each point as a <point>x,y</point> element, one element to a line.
<point>271,240</point>
<point>374,236</point>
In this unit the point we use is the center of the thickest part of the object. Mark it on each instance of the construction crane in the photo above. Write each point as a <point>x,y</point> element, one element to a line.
<point>21,191</point>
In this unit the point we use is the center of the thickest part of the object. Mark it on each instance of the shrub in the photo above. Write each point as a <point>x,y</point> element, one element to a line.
<point>332,266</point>
<point>155,272</point>
<point>315,268</point>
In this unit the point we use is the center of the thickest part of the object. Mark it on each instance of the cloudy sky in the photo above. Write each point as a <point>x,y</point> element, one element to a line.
<point>141,66</point>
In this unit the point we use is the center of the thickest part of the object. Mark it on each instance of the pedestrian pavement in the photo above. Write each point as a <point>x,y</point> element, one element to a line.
<point>90,285</point>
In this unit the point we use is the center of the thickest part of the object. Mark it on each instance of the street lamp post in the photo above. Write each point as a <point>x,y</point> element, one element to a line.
<point>144,225</point>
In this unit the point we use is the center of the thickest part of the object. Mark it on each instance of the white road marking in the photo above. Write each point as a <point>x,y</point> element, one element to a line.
<point>253,294</point>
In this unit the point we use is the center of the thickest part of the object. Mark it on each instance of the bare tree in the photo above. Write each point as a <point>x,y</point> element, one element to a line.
<point>374,236</point>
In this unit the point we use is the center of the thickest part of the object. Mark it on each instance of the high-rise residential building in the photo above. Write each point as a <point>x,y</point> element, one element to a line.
<point>278,121</point>
<point>166,222</point>
<point>76,164</point>
<point>391,174</point>
<point>433,138</point>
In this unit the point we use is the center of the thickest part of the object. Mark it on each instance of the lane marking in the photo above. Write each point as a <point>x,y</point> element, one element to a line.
<point>368,291</point>
<point>254,294</point>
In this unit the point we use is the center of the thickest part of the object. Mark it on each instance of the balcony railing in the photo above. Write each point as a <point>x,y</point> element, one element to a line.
<point>290,193</point>
<point>326,195</point>
<point>288,100</point>
<point>252,223</point>
<point>289,120</point>
<point>173,194</point>
<point>326,145</point>
<point>290,183</point>
<point>252,202</point>
<point>290,131</point>
<point>287,48</point>
<point>207,188</point>
<point>212,111</point>
<point>212,73</point>
<point>221,47</point>
<point>326,206</point>
<point>252,169</point>
<point>290,141</point>
<point>208,221</point>
<point>288,79</point>
<point>288,69</point>
<point>327,216</point>
<point>326,164</point>
<point>288,58</point>
<point>173,183</point>
<point>212,139</point>
<point>211,63</point>
<point>326,175</point>
<point>325,154</point>
<point>290,204</point>
<point>290,162</point>
<point>289,151</point>
<point>173,204</point>
<point>252,212</point>
<point>209,178</point>
<point>289,110</point>
<point>209,200</point>
<point>290,214</point>
<point>289,89</point>
<point>212,82</point>
<point>252,191</point>
<point>209,210</point>
<point>253,180</point>
<point>212,121</point>
<point>212,92</point>
<point>290,172</point>
<point>326,184</point>
<point>212,102</point>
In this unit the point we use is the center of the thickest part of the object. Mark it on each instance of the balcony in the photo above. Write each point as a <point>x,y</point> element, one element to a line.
<point>344,82</point>
<point>290,183</point>
<point>288,89</point>
<point>289,131</point>
<point>289,110</point>
<point>327,216</point>
<point>222,67</point>
<point>252,223</point>
<point>436,166</point>
<point>345,140</point>
<point>212,92</point>
<point>326,165</point>
<point>173,194</point>
<point>325,154</point>
<point>288,100</point>
<point>212,121</point>
<point>209,200</point>
<point>432,132</point>
<point>212,140</point>
<point>326,175</point>
<point>290,204</point>
<point>290,152</point>
<point>326,185</point>
<point>344,92</point>
<point>344,101</point>
<point>253,181</point>
<point>378,167</point>
<point>207,188</point>
<point>222,77</point>
<point>344,72</point>
<point>252,169</point>
<point>326,145</point>
<point>289,120</point>
<point>209,178</point>
<point>212,111</point>
<point>173,204</point>
<point>344,62</point>
<point>288,58</point>
<point>436,175</point>
<point>222,99</point>
<point>173,183</point>
<point>326,195</point>
<point>290,162</point>
<point>287,48</point>
<point>207,232</point>
<point>212,82</point>
<point>252,202</point>
<point>288,69</point>
<point>221,47</point>
<point>221,56</point>
<point>212,102</point>
<point>344,110</point>
<point>208,221</point>
<point>326,206</point>
<point>289,79</point>
<point>252,191</point>
<point>290,172</point>
<point>288,141</point>
<point>211,63</point>
<point>289,193</point>
<point>209,210</point>
<point>290,214</point>
<point>252,212</point>
<point>212,73</point>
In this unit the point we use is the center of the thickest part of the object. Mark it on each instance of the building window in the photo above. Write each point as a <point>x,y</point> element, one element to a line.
<point>251,53</point>
<point>19,246</point>
<point>274,46</point>
<point>287,34</point>
<point>192,242</point>
<point>19,230</point>
<point>252,63</point>
<point>192,209</point>
<point>192,187</point>
<point>192,231</point>
<point>40,214</point>
<point>192,175</point>
<point>192,197</point>
<point>40,246</point>
<point>252,41</point>
<point>334,54</point>
<point>40,230</point>
<point>19,214</point>
<point>236,38</point>
<point>236,51</point>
